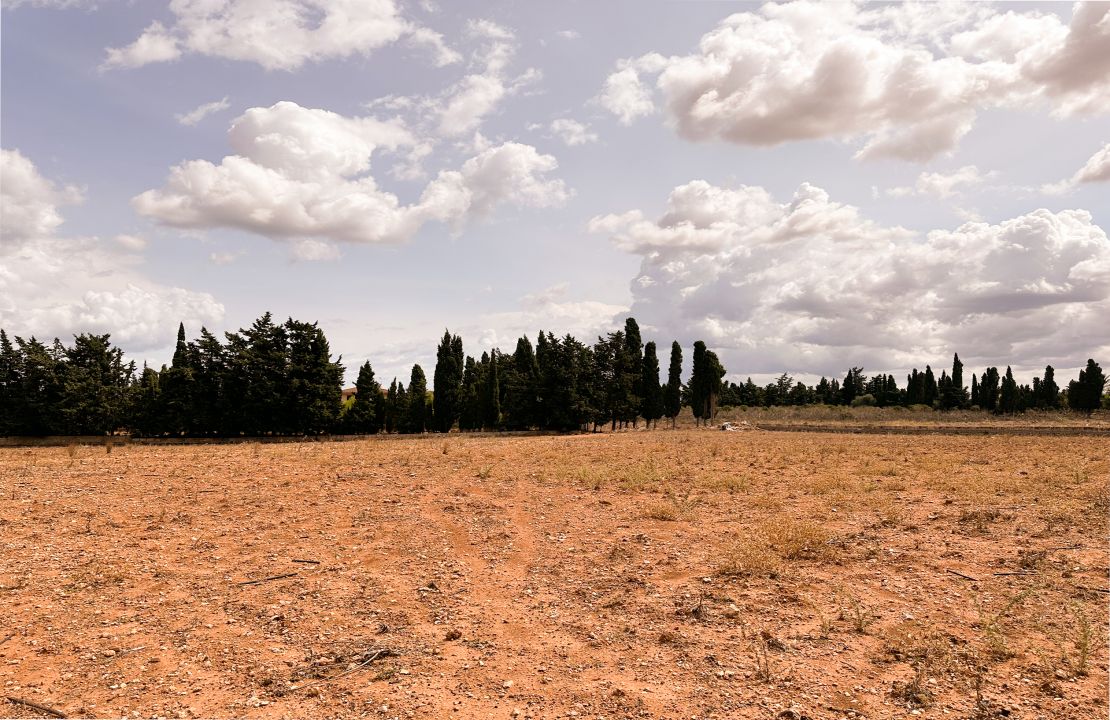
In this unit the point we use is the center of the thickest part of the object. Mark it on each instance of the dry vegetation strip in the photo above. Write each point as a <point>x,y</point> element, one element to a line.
<point>666,574</point>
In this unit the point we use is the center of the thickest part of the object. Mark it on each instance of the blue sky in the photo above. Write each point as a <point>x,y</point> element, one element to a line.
<point>806,187</point>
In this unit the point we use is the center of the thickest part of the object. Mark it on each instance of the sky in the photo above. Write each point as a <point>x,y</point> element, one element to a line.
<point>806,187</point>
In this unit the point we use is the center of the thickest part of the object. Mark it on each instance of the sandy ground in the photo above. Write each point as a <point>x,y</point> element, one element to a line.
<point>671,574</point>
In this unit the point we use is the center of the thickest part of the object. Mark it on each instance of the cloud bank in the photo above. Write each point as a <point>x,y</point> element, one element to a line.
<point>906,81</point>
<point>811,286</point>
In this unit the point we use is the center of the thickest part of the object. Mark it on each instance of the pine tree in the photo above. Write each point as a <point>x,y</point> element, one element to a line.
<point>315,382</point>
<point>95,383</point>
<point>651,404</point>
<point>418,399</point>
<point>672,396</point>
<point>10,422</point>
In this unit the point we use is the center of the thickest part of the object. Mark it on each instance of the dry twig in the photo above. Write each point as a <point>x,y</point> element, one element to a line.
<point>266,579</point>
<point>35,706</point>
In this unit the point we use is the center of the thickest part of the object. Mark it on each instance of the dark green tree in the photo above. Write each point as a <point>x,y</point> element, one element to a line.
<point>651,402</point>
<point>96,384</point>
<point>633,361</point>
<point>365,416</point>
<point>177,413</point>
<point>315,382</point>
<point>1048,396</point>
<point>447,380</point>
<point>418,399</point>
<point>988,389</point>
<point>1085,394</point>
<point>470,407</point>
<point>672,395</point>
<point>1008,394</point>
<point>705,383</point>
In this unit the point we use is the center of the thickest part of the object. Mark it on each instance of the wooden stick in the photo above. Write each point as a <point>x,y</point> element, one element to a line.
<point>36,706</point>
<point>1022,572</point>
<point>384,652</point>
<point>1084,587</point>
<point>266,579</point>
<point>310,562</point>
<point>965,577</point>
<point>9,637</point>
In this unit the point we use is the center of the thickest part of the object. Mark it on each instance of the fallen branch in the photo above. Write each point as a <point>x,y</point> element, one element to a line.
<point>1101,590</point>
<point>310,562</point>
<point>965,577</point>
<point>384,652</point>
<point>36,706</point>
<point>267,579</point>
<point>1020,572</point>
<point>9,637</point>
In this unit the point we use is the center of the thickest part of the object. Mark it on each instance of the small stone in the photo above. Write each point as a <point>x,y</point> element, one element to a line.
<point>507,684</point>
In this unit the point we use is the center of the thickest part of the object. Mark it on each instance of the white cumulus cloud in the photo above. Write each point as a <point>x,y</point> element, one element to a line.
<point>277,34</point>
<point>906,81</point>
<point>811,286</point>
<point>301,173</point>
<point>53,286</point>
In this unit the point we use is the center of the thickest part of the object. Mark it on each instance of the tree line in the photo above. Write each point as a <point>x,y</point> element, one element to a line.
<point>280,378</point>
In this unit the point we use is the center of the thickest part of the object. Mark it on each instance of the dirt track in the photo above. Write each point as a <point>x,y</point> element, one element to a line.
<point>667,574</point>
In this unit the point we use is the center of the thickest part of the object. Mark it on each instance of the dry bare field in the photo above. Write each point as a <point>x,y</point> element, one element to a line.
<point>672,574</point>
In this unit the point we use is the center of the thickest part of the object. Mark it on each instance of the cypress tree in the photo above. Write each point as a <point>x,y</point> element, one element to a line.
<point>974,391</point>
<point>959,396</point>
<point>448,382</point>
<point>651,405</point>
<point>492,403</point>
<point>1085,394</point>
<point>705,383</point>
<point>929,391</point>
<point>1049,391</point>
<point>177,391</point>
<point>1008,395</point>
<point>364,415</point>
<point>391,407</point>
<point>418,398</point>
<point>634,359</point>
<point>988,389</point>
<point>469,405</point>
